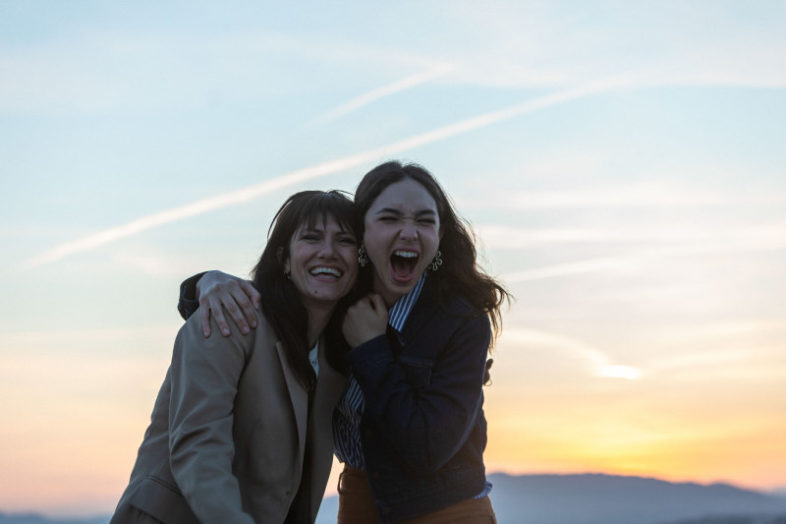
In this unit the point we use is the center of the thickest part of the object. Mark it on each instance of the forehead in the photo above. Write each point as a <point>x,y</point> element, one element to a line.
<point>321,221</point>
<point>405,195</point>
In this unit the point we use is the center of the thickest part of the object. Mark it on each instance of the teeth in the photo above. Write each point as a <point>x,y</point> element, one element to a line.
<point>326,271</point>
<point>405,254</point>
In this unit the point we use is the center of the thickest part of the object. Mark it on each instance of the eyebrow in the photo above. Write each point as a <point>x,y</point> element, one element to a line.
<point>390,210</point>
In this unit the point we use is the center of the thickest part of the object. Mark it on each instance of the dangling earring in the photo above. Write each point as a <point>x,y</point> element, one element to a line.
<point>362,256</point>
<point>288,275</point>
<point>436,262</point>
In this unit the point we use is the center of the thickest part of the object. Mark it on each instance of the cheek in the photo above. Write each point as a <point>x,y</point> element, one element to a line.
<point>375,246</point>
<point>377,255</point>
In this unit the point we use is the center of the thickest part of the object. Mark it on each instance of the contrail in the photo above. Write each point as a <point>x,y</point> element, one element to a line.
<point>199,207</point>
<point>308,173</point>
<point>381,92</point>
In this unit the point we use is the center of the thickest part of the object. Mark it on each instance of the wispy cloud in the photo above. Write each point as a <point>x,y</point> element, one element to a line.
<point>381,92</point>
<point>601,364</point>
<point>237,65</point>
<point>624,197</point>
<point>589,265</point>
<point>693,237</point>
<point>248,193</point>
<point>770,237</point>
<point>13,342</point>
<point>197,208</point>
<point>175,69</point>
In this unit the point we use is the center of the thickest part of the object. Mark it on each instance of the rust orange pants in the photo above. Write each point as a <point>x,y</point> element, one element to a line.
<point>356,505</point>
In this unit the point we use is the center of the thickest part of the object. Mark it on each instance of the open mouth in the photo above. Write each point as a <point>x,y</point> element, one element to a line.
<point>403,264</point>
<point>323,272</point>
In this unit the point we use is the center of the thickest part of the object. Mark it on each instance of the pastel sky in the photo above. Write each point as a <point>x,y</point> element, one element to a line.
<point>622,163</point>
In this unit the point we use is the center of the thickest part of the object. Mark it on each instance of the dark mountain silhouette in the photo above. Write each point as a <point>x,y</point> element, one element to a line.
<point>585,499</point>
<point>609,499</point>
<point>32,518</point>
<point>739,519</point>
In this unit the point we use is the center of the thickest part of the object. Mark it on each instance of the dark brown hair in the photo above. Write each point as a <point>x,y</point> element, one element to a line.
<point>460,274</point>
<point>281,303</point>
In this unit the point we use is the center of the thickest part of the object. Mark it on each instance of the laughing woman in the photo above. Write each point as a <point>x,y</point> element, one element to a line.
<point>241,428</point>
<point>410,429</point>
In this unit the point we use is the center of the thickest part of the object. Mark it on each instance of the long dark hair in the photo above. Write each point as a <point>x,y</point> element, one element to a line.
<point>460,274</point>
<point>281,303</point>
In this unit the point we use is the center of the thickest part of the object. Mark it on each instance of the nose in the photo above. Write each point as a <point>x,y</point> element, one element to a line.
<point>408,231</point>
<point>327,249</point>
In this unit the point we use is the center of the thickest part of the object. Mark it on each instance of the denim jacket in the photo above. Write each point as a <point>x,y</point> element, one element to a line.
<point>423,429</point>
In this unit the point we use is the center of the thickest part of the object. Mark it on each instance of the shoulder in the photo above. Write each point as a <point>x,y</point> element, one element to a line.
<point>438,320</point>
<point>466,318</point>
<point>191,334</point>
<point>459,305</point>
<point>437,300</point>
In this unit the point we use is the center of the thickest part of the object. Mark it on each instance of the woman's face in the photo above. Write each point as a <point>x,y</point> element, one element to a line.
<point>402,234</point>
<point>322,262</point>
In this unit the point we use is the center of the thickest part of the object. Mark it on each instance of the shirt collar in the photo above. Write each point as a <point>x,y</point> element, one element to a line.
<point>398,314</point>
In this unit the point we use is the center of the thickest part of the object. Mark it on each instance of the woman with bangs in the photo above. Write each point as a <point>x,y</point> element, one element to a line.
<point>241,427</point>
<point>410,427</point>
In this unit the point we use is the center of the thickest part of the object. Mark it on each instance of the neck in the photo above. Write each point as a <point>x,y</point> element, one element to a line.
<point>389,299</point>
<point>317,320</point>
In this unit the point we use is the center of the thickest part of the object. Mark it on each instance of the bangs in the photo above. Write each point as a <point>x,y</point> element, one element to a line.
<point>327,205</point>
<point>310,208</point>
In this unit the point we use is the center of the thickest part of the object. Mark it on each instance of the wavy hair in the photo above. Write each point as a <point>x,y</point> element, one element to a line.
<point>460,274</point>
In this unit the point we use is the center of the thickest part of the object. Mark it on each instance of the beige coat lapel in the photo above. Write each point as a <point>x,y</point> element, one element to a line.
<point>298,396</point>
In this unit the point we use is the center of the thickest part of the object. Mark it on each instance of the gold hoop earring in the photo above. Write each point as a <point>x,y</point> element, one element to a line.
<point>436,262</point>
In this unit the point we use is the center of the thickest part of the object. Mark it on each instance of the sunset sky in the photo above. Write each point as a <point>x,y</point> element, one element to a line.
<point>622,163</point>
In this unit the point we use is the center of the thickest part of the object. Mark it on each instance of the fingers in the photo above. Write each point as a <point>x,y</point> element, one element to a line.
<point>204,318</point>
<point>218,314</point>
<point>241,307</point>
<point>377,304</point>
<point>487,373</point>
<point>222,295</point>
<point>208,305</point>
<point>366,319</point>
<point>252,293</point>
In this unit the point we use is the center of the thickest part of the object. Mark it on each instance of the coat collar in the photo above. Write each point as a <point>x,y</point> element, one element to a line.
<point>329,387</point>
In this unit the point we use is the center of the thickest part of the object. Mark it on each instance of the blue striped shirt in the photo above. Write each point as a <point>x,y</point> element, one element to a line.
<point>346,418</point>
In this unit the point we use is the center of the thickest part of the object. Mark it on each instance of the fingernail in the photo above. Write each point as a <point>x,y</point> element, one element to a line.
<point>245,331</point>
<point>225,332</point>
<point>253,324</point>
